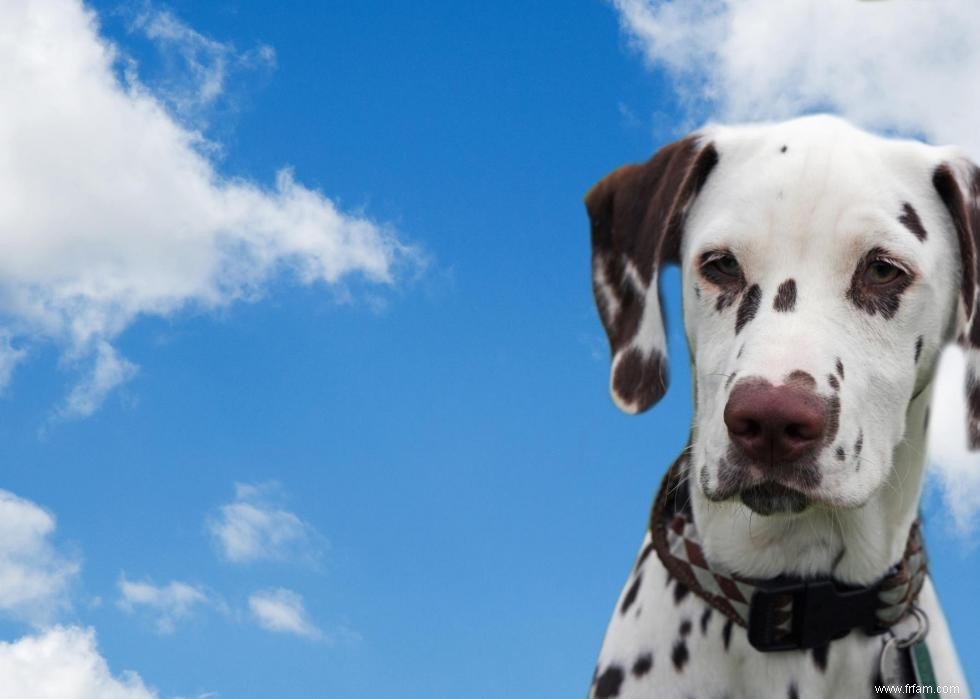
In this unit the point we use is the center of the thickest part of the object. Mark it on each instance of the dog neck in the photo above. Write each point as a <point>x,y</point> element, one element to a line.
<point>855,546</point>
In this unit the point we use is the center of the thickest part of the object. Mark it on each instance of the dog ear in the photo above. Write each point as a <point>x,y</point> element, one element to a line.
<point>958,184</point>
<point>637,214</point>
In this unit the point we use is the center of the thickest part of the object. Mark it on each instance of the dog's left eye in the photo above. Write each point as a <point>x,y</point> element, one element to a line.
<point>880,272</point>
<point>721,267</point>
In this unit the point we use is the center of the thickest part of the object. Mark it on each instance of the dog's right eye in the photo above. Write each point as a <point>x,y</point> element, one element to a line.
<point>721,267</point>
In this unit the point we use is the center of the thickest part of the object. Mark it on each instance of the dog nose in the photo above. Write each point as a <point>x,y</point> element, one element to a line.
<point>774,424</point>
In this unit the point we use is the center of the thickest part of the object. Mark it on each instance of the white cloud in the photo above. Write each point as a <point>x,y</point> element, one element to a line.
<point>111,208</point>
<point>63,663</point>
<point>255,527</point>
<point>166,604</point>
<point>900,66</point>
<point>282,611</point>
<point>885,65</point>
<point>957,470</point>
<point>34,577</point>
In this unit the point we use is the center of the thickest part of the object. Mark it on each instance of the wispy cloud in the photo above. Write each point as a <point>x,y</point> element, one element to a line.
<point>199,66</point>
<point>34,577</point>
<point>885,65</point>
<point>282,611</point>
<point>111,207</point>
<point>63,663</point>
<point>166,604</point>
<point>256,526</point>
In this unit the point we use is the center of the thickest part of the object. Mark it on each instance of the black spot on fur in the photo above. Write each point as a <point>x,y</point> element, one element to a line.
<point>748,308</point>
<point>705,618</point>
<point>630,595</point>
<point>680,592</point>
<point>731,379</point>
<point>609,682</point>
<point>918,348</point>
<point>785,301</point>
<point>840,453</point>
<point>643,665</point>
<point>925,422</point>
<point>783,149</point>
<point>910,219</point>
<point>679,656</point>
<point>820,657</point>
<point>834,383</point>
<point>793,694</point>
<point>740,350</point>
<point>685,628</point>
<point>640,381</point>
<point>840,368</point>
<point>726,633</point>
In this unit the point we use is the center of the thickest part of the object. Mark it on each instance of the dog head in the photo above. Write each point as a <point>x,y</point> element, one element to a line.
<point>823,270</point>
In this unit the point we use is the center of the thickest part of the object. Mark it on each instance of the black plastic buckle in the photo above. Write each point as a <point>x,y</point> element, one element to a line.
<point>820,612</point>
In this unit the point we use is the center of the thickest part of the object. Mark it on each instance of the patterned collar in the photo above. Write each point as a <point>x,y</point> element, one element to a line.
<point>781,613</point>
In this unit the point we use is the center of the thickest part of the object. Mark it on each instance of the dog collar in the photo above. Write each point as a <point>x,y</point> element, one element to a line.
<point>783,613</point>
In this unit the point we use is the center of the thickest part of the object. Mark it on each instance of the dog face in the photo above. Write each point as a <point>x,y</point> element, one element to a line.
<point>823,270</point>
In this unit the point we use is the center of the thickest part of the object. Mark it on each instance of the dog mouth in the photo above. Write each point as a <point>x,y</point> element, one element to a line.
<point>770,498</point>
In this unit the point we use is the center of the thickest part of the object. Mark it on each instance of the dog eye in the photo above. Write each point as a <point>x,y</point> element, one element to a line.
<point>880,272</point>
<point>721,267</point>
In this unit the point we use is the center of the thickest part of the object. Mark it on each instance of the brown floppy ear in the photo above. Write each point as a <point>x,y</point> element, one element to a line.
<point>958,184</point>
<point>637,214</point>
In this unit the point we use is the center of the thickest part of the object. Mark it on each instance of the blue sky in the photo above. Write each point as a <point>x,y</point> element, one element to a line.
<point>456,498</point>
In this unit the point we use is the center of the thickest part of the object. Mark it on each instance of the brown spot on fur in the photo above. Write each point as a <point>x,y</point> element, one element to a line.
<point>833,419</point>
<point>630,595</point>
<point>910,219</point>
<point>802,379</point>
<point>748,308</point>
<point>638,381</point>
<point>966,220</point>
<point>785,301</point>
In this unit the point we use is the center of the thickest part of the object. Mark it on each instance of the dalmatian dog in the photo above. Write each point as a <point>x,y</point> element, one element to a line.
<point>824,269</point>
